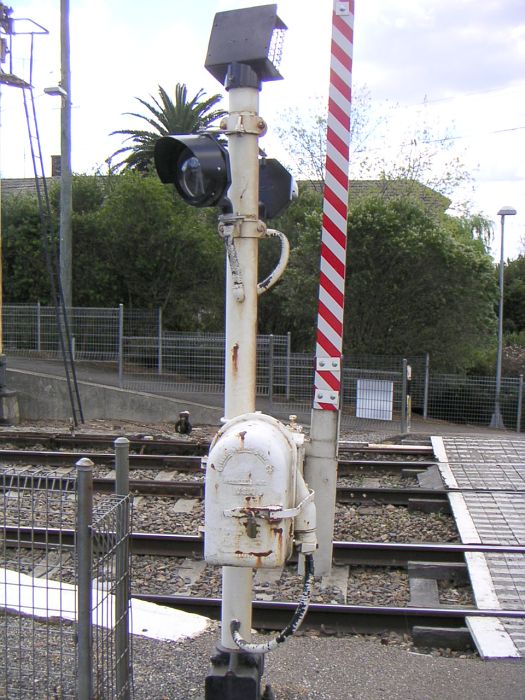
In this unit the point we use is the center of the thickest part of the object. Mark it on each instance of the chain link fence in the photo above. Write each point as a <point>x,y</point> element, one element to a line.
<point>31,330</point>
<point>472,400</point>
<point>54,645</point>
<point>148,358</point>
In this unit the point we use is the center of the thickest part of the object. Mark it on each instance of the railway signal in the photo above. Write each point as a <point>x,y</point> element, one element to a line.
<point>258,505</point>
<point>199,167</point>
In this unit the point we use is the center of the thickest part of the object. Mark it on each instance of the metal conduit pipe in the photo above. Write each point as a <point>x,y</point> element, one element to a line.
<point>277,273</point>
<point>291,628</point>
<point>305,521</point>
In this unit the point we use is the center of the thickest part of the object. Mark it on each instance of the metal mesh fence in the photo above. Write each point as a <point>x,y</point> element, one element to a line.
<point>39,588</point>
<point>96,333</point>
<point>190,362</point>
<point>38,658</point>
<point>471,400</point>
<point>148,358</point>
<point>111,660</point>
<point>373,390</point>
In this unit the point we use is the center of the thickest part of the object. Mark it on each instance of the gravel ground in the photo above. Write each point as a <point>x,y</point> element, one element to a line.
<point>384,479</point>
<point>392,524</point>
<point>330,668</point>
<point>313,667</point>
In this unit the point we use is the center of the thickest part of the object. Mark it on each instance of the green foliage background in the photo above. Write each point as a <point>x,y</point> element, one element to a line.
<point>417,280</point>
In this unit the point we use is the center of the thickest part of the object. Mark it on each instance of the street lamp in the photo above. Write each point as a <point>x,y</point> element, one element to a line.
<point>497,420</point>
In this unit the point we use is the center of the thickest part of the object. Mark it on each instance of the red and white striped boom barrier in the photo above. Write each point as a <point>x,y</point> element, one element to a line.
<point>329,343</point>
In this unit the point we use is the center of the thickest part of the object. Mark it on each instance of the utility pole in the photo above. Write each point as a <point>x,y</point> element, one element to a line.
<point>66,197</point>
<point>9,412</point>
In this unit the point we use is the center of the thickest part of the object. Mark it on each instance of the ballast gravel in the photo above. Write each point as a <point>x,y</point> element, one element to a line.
<point>329,668</point>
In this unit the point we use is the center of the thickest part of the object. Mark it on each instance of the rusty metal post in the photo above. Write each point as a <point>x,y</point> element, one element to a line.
<point>241,318</point>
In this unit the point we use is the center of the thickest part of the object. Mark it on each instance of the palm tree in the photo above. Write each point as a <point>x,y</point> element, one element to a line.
<point>180,117</point>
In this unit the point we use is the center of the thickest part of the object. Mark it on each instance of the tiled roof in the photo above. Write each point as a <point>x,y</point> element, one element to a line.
<point>357,189</point>
<point>389,189</point>
<point>21,185</point>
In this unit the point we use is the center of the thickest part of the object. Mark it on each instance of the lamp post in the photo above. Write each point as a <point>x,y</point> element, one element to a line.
<point>497,420</point>
<point>63,90</point>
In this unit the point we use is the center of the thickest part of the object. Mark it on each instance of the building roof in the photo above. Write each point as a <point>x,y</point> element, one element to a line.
<point>389,189</point>
<point>21,185</point>
<point>357,189</point>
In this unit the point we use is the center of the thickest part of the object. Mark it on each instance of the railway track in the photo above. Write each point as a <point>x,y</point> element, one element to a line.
<point>424,499</point>
<point>363,469</point>
<point>442,622</point>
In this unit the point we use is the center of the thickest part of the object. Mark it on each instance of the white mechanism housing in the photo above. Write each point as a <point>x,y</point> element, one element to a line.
<point>251,474</point>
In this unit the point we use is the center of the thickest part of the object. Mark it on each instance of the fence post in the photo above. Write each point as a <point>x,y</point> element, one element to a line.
<point>121,345</point>
<point>122,573</point>
<point>84,567</point>
<point>122,466</point>
<point>403,426</point>
<point>520,403</point>
<point>288,363</point>
<point>427,382</point>
<point>159,342</point>
<point>270,368</point>
<point>38,327</point>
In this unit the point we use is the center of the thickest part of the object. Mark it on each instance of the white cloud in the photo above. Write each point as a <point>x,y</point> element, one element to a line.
<point>467,57</point>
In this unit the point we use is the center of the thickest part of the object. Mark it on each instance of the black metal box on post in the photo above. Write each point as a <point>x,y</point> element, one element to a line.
<point>245,36</point>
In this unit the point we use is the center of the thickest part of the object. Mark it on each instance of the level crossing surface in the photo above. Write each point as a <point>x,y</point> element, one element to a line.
<point>487,479</point>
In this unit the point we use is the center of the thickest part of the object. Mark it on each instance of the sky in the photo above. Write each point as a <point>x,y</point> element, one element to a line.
<point>456,66</point>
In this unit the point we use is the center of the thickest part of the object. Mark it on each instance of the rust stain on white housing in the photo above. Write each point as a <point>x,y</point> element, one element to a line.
<point>251,493</point>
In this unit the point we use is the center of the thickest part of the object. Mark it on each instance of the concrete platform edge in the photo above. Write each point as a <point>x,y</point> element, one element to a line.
<point>491,639</point>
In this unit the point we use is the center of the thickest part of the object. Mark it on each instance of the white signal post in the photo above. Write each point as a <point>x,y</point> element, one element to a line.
<point>321,462</point>
<point>241,318</point>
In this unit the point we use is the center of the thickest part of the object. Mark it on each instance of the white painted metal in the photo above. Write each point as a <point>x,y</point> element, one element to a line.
<point>241,317</point>
<point>251,493</point>
<point>241,323</point>
<point>374,399</point>
<point>321,475</point>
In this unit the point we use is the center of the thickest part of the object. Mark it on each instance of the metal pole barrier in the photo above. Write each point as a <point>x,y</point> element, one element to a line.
<point>288,363</point>
<point>159,343</point>
<point>271,350</point>
<point>38,327</point>
<point>84,567</point>
<point>122,466</point>
<point>321,454</point>
<point>122,573</point>
<point>427,383</point>
<point>403,426</point>
<point>520,403</point>
<point>121,345</point>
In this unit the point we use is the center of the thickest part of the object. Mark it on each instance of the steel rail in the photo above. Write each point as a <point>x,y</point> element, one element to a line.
<point>101,459</point>
<point>153,443</point>
<point>143,441</point>
<point>344,552</point>
<point>272,615</point>
<point>345,494</point>
<point>387,464</point>
<point>188,463</point>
